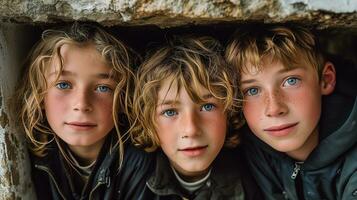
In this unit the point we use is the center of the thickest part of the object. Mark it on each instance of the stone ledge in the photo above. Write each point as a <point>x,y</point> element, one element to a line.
<point>168,13</point>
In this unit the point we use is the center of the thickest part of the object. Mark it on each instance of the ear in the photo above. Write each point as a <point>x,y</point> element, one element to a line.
<point>328,79</point>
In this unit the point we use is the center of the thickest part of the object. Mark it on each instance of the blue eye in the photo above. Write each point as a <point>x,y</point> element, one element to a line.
<point>252,91</point>
<point>63,85</point>
<point>169,113</point>
<point>207,107</point>
<point>103,88</point>
<point>291,81</point>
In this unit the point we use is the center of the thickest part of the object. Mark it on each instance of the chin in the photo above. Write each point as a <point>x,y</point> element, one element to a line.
<point>286,147</point>
<point>194,169</point>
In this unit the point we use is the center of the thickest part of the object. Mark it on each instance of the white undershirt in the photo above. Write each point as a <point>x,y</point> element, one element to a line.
<point>83,171</point>
<point>191,186</point>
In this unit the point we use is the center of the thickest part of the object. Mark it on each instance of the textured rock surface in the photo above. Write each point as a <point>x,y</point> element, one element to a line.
<point>331,13</point>
<point>15,181</point>
<point>337,15</point>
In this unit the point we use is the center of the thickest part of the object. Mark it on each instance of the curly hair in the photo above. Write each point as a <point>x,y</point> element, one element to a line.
<point>190,62</point>
<point>30,93</point>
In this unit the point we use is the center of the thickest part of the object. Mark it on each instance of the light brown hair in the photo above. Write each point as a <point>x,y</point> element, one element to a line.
<point>290,44</point>
<point>190,62</point>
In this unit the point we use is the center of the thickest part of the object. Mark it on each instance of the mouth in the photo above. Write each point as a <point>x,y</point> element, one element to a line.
<point>281,130</point>
<point>81,125</point>
<point>194,151</point>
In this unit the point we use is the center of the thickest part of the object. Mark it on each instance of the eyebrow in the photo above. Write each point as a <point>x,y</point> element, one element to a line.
<point>171,102</point>
<point>284,70</point>
<point>69,73</point>
<point>248,81</point>
<point>207,96</point>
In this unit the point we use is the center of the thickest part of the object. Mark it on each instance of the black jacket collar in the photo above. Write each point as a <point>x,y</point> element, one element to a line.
<point>225,178</point>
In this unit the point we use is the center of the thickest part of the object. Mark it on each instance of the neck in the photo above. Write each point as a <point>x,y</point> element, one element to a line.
<point>190,176</point>
<point>304,151</point>
<point>87,154</point>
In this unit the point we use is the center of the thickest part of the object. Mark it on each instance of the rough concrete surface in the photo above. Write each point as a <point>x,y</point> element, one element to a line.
<point>15,181</point>
<point>324,13</point>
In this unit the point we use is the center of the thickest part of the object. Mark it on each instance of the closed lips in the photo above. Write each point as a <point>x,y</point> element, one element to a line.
<point>280,127</point>
<point>80,124</point>
<point>193,148</point>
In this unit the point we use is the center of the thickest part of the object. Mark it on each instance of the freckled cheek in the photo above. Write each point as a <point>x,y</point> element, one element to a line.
<point>105,100</point>
<point>105,104</point>
<point>106,108</point>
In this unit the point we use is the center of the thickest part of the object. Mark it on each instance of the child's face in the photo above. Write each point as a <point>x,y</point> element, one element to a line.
<point>282,107</point>
<point>191,135</point>
<point>79,106</point>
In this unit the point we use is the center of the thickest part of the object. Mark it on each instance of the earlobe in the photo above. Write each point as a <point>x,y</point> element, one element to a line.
<point>328,79</point>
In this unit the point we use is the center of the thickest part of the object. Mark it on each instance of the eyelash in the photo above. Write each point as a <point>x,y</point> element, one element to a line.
<point>297,80</point>
<point>208,104</point>
<point>246,92</point>
<point>174,112</point>
<point>169,110</point>
<point>104,86</point>
<point>58,85</point>
<point>63,85</point>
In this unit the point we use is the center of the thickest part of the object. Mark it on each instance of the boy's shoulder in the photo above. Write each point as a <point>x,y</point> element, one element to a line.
<point>137,156</point>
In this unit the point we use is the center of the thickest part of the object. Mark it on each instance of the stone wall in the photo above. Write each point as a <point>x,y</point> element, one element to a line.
<point>324,13</point>
<point>21,22</point>
<point>15,181</point>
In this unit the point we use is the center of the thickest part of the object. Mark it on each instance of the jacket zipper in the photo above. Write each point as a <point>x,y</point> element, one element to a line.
<point>296,170</point>
<point>96,186</point>
<point>107,181</point>
<point>52,177</point>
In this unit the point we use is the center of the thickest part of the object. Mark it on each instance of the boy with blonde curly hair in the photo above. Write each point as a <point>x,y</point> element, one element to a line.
<point>186,106</point>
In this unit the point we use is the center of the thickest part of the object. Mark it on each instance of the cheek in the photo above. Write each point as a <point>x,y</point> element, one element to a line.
<point>167,140</point>
<point>164,130</point>
<point>105,106</point>
<point>220,126</point>
<point>104,100</point>
<point>308,103</point>
<point>53,104</point>
<point>251,111</point>
<point>107,109</point>
<point>214,127</point>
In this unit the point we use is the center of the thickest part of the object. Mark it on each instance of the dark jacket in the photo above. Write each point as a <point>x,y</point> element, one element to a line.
<point>225,181</point>
<point>330,171</point>
<point>107,182</point>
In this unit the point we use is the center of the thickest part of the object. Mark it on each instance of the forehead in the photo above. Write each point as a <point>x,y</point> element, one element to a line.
<point>171,87</point>
<point>271,64</point>
<point>78,56</point>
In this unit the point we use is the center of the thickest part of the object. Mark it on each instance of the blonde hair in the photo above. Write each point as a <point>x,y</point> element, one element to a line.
<point>290,44</point>
<point>32,90</point>
<point>190,62</point>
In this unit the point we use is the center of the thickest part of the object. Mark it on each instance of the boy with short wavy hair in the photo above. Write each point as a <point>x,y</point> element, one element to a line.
<point>301,150</point>
<point>186,104</point>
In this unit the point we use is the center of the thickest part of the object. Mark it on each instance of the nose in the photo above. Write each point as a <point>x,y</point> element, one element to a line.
<point>82,101</point>
<point>189,123</point>
<point>275,105</point>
